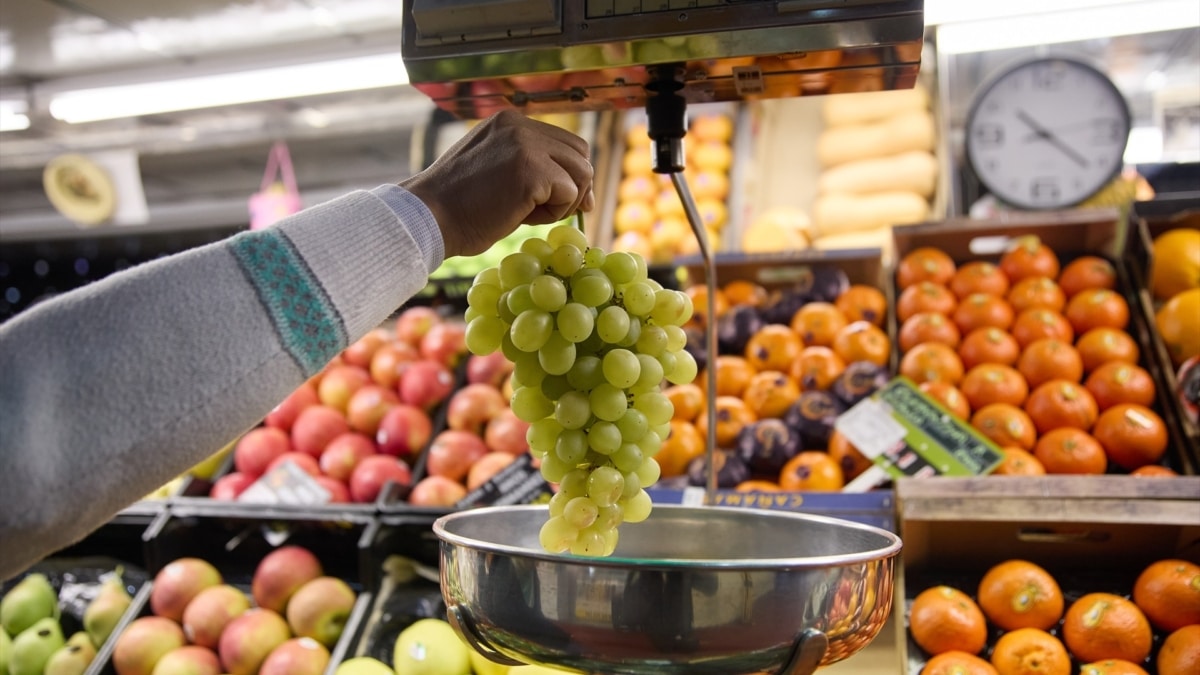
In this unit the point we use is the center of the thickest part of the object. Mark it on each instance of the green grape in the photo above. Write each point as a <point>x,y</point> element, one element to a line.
<point>543,433</point>
<point>559,502</point>
<point>589,543</point>
<point>620,267</point>
<point>667,307</point>
<point>608,402</point>
<point>637,508</point>
<point>574,484</point>
<point>684,371</point>
<point>642,270</point>
<point>662,430</point>
<point>667,360</point>
<point>593,343</point>
<point>519,300</point>
<point>557,355</point>
<point>503,310</point>
<point>652,341</point>
<point>593,290</point>
<point>613,324</point>
<point>518,268</point>
<point>566,261</point>
<point>530,405</point>
<point>553,469</point>
<point>632,335</point>
<point>581,512</point>
<point>654,285</point>
<point>688,308</point>
<point>531,330</point>
<point>566,235</point>
<point>638,298</point>
<point>572,410</point>
<point>557,535</point>
<point>575,322</point>
<point>571,447</point>
<point>633,425</point>
<point>484,335</point>
<point>586,374</point>
<point>650,444</point>
<point>554,386</point>
<point>507,347</point>
<point>649,472</point>
<point>487,277</point>
<point>632,486</point>
<point>651,374</point>
<point>611,538</point>
<point>527,370</point>
<point>471,313</point>
<point>604,437</point>
<point>548,293</point>
<point>656,407</point>
<point>609,517</point>
<point>483,299</point>
<point>621,368</point>
<point>593,258</point>
<point>676,338</point>
<point>627,458</point>
<point>605,486</point>
<point>538,248</point>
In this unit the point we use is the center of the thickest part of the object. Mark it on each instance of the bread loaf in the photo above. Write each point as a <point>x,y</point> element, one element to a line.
<point>913,130</point>
<point>872,106</point>
<point>839,213</point>
<point>913,171</point>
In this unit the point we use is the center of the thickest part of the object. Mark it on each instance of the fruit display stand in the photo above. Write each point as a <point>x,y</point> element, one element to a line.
<point>1091,533</point>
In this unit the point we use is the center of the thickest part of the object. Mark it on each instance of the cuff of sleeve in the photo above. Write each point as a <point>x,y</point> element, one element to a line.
<point>418,220</point>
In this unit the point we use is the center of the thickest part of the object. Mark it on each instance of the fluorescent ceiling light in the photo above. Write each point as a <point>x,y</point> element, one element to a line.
<point>208,91</point>
<point>1067,26</point>
<point>12,116</point>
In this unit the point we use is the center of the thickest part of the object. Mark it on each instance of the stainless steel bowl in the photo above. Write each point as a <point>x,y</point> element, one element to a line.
<point>691,590</point>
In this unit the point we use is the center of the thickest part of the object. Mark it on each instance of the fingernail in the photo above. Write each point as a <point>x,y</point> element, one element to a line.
<point>589,201</point>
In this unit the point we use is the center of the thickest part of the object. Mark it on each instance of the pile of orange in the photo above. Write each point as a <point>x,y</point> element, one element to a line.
<point>1035,355</point>
<point>779,363</point>
<point>1175,283</point>
<point>1041,634</point>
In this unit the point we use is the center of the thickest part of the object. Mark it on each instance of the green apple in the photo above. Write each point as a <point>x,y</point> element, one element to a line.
<point>431,647</point>
<point>363,665</point>
<point>34,647</point>
<point>27,603</point>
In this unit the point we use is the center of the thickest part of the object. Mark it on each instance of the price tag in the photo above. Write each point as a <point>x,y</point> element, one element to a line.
<point>870,427</point>
<point>517,483</point>
<point>286,484</point>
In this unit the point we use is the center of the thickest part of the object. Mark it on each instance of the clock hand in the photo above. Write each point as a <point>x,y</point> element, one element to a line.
<point>1066,127</point>
<point>1045,134</point>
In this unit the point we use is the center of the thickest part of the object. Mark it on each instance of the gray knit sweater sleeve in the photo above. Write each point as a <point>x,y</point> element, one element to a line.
<point>108,392</point>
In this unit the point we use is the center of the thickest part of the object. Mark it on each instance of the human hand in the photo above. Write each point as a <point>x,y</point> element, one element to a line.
<point>508,170</point>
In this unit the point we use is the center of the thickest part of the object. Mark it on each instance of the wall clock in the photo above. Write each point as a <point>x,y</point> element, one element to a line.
<point>1047,133</point>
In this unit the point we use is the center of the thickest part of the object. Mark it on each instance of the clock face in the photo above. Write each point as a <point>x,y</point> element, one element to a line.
<point>1047,133</point>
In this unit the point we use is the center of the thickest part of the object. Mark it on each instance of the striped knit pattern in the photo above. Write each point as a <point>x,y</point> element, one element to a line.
<point>309,327</point>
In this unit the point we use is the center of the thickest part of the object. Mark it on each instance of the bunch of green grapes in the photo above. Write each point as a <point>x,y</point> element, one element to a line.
<point>591,339</point>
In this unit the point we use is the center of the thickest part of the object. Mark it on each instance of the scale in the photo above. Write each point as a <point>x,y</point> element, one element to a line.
<point>691,590</point>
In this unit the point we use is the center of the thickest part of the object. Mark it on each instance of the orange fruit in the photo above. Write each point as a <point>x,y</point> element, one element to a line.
<point>732,416</point>
<point>1176,263</point>
<point>994,383</point>
<point>1179,325</point>
<point>743,292</point>
<point>957,663</point>
<point>1087,272</point>
<point>679,448</point>
<point>1070,451</point>
<point>634,216</point>
<point>979,277</point>
<point>932,361</point>
<point>733,374</point>
<point>1030,651</point>
<point>1112,667</point>
<point>862,341</point>
<point>1038,323</point>
<point>944,619</point>
<point>949,396</point>
<point>1097,308</point>
<point>1168,591</point>
<point>863,303</point>
<point>980,310</point>
<point>989,345</point>
<point>688,400</point>
<point>812,471</point>
<point>1005,425</point>
<point>1037,292</point>
<point>1102,626</point>
<point>1154,471</point>
<point>928,327</point>
<point>1061,403</point>
<point>818,323</point>
<point>769,394</point>
<point>1180,652</point>
<point>1119,382</point>
<point>847,456</point>
<point>1018,462</point>
<point>924,264</point>
<point>1050,359</point>
<point>698,293</point>
<point>816,368</point>
<point>1101,345</point>
<point>1028,257</point>
<point>758,485</point>
<point>773,347</point>
<point>1132,435</point>
<point>1019,594</point>
<point>925,296</point>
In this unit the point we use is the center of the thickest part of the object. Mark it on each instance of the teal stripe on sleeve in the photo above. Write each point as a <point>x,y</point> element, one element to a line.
<point>304,317</point>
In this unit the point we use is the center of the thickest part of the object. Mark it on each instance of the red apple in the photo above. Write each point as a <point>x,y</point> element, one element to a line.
<point>471,407</point>
<point>344,453</point>
<point>414,323</point>
<point>452,454</point>
<point>319,609</point>
<point>426,384</point>
<point>303,461</point>
<point>143,644</point>
<point>210,611</point>
<point>491,369</point>
<point>437,491</point>
<point>368,405</point>
<point>373,473</point>
<point>178,583</point>
<point>360,352</point>
<point>403,432</point>
<point>284,414</point>
<point>281,573</point>
<point>229,486</point>
<point>189,660</point>
<point>256,450</point>
<point>445,343</point>
<point>338,492</point>
<point>489,465</point>
<point>298,656</point>
<point>506,433</point>
<point>340,383</point>
<point>248,639</point>
<point>390,362</point>
<point>315,427</point>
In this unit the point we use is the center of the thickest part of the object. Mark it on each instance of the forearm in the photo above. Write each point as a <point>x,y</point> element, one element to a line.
<point>111,391</point>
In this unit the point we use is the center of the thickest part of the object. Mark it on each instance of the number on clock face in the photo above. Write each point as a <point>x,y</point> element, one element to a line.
<point>1048,133</point>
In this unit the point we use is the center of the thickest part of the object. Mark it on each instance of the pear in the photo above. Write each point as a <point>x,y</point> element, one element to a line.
<point>33,648</point>
<point>105,610</point>
<point>28,602</point>
<point>73,658</point>
<point>5,649</point>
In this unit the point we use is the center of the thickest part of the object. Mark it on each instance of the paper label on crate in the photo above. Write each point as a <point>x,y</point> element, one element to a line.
<point>870,427</point>
<point>285,484</point>
<point>517,483</point>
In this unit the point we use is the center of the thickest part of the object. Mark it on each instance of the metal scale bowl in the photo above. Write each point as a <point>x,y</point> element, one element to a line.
<point>691,590</point>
